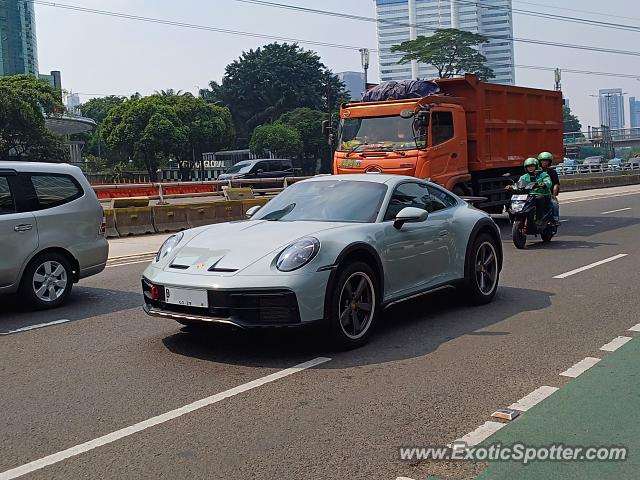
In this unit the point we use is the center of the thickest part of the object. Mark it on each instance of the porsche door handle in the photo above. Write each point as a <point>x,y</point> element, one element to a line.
<point>25,227</point>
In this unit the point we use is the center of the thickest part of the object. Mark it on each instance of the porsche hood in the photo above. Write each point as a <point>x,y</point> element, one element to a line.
<point>229,248</point>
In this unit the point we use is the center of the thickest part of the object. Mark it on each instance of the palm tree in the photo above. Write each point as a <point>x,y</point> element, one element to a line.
<point>170,92</point>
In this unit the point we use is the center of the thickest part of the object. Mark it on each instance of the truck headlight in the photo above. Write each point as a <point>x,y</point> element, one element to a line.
<point>298,254</point>
<point>168,245</point>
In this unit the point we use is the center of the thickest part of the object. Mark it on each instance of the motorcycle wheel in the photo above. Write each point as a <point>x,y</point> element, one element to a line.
<point>519,239</point>
<point>547,234</point>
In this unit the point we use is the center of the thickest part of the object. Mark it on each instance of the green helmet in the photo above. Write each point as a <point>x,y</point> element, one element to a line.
<point>546,156</point>
<point>530,161</point>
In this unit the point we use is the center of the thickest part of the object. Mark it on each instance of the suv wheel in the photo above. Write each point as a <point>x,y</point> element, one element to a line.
<point>354,305</point>
<point>47,281</point>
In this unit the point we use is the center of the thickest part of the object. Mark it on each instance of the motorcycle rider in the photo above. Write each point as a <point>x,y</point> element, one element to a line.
<point>546,159</point>
<point>542,191</point>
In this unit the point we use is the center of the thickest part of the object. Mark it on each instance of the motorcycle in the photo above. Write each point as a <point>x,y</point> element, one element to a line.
<point>522,215</point>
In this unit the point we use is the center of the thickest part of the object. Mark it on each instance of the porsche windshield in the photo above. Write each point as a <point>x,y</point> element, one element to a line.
<point>380,133</point>
<point>326,201</point>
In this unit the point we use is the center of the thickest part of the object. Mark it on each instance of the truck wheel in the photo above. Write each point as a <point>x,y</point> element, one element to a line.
<point>519,238</point>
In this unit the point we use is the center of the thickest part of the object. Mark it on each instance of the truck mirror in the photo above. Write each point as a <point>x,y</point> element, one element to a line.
<point>406,114</point>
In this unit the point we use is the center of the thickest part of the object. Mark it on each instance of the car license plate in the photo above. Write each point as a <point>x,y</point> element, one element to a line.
<point>186,297</point>
<point>519,197</point>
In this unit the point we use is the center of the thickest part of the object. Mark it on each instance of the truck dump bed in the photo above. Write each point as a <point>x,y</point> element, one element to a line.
<point>505,124</point>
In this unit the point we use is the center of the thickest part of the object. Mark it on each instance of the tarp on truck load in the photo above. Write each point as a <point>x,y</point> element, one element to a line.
<point>400,90</point>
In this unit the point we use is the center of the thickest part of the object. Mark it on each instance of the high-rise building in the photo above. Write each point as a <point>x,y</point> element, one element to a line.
<point>634,112</point>
<point>354,81</point>
<point>402,20</point>
<point>611,108</point>
<point>18,46</point>
<point>73,102</point>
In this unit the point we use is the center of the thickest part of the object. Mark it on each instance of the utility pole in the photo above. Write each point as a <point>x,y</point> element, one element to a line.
<point>558,78</point>
<point>364,57</point>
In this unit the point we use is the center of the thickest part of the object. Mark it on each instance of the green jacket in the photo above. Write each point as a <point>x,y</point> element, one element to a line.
<point>539,176</point>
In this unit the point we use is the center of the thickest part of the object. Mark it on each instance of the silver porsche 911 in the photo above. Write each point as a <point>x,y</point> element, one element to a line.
<point>332,249</point>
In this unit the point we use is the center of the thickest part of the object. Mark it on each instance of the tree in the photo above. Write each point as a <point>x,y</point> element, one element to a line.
<point>146,129</point>
<point>278,138</point>
<point>208,128</point>
<point>98,109</point>
<point>23,134</point>
<point>170,92</point>
<point>571,122</point>
<point>265,83</point>
<point>308,124</point>
<point>153,129</point>
<point>450,51</point>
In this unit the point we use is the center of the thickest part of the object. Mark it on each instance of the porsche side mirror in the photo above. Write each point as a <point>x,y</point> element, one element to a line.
<point>410,215</point>
<point>252,211</point>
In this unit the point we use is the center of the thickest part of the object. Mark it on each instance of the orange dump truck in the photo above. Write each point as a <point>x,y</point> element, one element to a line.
<point>467,138</point>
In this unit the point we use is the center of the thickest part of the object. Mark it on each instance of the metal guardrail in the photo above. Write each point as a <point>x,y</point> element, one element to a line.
<point>595,168</point>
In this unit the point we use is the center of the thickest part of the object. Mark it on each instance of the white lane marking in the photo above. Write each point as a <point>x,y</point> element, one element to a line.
<point>615,344</point>
<point>635,328</point>
<point>591,265</point>
<point>34,327</point>
<point>153,421</point>
<point>404,478</point>
<point>599,197</point>
<point>580,367</point>
<point>148,260</point>
<point>535,397</point>
<point>616,211</point>
<point>143,254</point>
<point>481,433</point>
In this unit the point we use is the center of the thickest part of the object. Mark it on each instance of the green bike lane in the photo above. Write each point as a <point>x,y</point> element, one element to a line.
<point>599,408</point>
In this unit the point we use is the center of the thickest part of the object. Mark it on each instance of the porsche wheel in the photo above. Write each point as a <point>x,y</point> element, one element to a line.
<point>354,306</point>
<point>483,270</point>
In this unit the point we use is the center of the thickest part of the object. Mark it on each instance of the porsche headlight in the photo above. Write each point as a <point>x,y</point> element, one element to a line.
<point>298,254</point>
<point>168,245</point>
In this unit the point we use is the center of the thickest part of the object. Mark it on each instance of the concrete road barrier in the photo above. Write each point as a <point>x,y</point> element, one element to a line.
<point>110,218</point>
<point>571,184</point>
<point>200,214</point>
<point>130,202</point>
<point>170,218</point>
<point>133,220</point>
<point>247,204</point>
<point>229,211</point>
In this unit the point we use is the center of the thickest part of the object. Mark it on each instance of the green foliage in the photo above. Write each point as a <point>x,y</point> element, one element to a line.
<point>265,83</point>
<point>98,108</point>
<point>23,135</point>
<point>592,152</point>
<point>451,51</point>
<point>308,124</point>
<point>570,121</point>
<point>93,164</point>
<point>153,129</point>
<point>278,138</point>
<point>170,92</point>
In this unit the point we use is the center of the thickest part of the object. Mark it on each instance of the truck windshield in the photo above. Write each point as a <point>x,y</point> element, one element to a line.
<point>380,133</point>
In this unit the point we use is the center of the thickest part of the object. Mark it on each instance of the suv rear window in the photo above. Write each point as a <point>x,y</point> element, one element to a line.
<point>54,190</point>
<point>6,200</point>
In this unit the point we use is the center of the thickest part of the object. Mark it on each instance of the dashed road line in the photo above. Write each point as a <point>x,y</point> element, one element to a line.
<point>635,328</point>
<point>153,421</point>
<point>615,344</point>
<point>580,367</point>
<point>34,327</point>
<point>591,265</point>
<point>616,211</point>
<point>535,397</point>
<point>480,434</point>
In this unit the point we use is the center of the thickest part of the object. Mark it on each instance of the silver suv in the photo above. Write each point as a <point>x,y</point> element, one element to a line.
<point>52,231</point>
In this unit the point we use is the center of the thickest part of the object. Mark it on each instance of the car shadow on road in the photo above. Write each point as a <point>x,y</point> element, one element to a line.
<point>577,226</point>
<point>409,330</point>
<point>82,303</point>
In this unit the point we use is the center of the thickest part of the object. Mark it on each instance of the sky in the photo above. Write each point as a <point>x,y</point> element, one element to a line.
<point>101,55</point>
